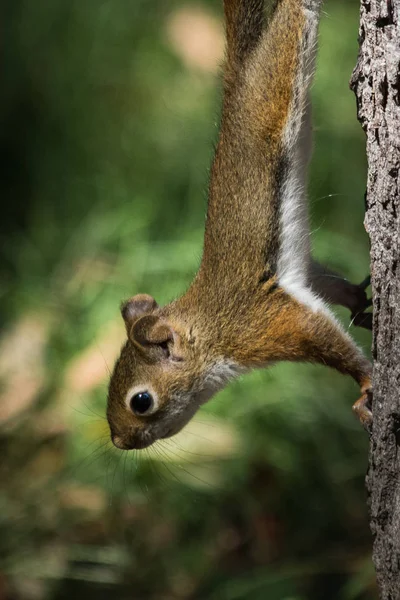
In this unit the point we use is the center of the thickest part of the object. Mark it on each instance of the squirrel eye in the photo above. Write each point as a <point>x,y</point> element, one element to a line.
<point>142,403</point>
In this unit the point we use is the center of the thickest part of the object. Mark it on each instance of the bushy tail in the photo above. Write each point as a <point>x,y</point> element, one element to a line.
<point>244,26</point>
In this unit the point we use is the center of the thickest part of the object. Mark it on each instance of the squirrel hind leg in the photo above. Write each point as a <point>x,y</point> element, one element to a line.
<point>336,290</point>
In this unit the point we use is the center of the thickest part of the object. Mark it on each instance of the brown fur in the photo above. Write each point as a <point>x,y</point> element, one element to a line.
<point>234,316</point>
<point>248,161</point>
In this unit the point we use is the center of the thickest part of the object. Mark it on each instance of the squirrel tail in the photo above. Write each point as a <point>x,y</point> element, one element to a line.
<point>244,26</point>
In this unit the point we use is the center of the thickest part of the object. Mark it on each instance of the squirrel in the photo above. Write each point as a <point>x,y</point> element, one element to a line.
<point>258,297</point>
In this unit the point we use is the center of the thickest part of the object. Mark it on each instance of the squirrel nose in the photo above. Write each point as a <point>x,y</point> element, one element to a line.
<point>119,442</point>
<point>136,443</point>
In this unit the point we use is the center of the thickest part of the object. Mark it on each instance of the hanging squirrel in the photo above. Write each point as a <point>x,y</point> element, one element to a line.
<point>258,297</point>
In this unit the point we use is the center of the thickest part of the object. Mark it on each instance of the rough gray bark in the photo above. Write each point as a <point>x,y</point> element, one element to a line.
<point>376,83</point>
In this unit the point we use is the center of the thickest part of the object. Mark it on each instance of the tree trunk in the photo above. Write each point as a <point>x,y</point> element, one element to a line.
<point>376,83</point>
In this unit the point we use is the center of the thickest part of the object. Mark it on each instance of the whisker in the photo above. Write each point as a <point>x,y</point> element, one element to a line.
<point>315,200</point>
<point>166,466</point>
<point>103,417</point>
<point>188,472</point>
<point>192,462</point>
<point>199,436</point>
<point>80,412</point>
<point>74,467</point>
<point>153,467</point>
<point>124,479</point>
<point>103,357</point>
<point>352,321</point>
<point>144,490</point>
<point>115,471</point>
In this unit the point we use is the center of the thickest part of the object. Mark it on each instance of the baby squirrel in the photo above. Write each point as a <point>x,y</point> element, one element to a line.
<point>258,297</point>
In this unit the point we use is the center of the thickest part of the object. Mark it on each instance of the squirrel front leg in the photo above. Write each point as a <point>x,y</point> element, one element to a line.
<point>290,331</point>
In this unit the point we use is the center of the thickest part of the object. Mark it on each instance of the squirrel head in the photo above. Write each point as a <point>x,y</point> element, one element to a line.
<point>163,375</point>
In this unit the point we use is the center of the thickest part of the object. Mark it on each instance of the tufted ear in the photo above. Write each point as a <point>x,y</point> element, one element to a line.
<point>156,338</point>
<point>136,307</point>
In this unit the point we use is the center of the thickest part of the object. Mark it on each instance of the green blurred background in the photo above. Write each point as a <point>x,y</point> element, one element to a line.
<point>109,112</point>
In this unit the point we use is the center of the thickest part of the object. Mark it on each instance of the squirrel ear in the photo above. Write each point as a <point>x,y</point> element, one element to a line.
<point>156,338</point>
<point>151,330</point>
<point>136,307</point>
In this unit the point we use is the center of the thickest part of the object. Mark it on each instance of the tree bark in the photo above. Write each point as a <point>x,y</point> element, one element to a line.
<point>376,84</point>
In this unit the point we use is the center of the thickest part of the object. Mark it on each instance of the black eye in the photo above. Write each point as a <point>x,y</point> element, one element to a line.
<point>142,403</point>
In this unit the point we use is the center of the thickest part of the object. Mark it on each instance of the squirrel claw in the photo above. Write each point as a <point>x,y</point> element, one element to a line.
<point>362,408</point>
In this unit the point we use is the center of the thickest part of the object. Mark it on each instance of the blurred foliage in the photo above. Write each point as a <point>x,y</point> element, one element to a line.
<point>108,116</point>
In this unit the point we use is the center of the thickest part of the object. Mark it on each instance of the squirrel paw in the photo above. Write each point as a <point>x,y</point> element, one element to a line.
<point>362,408</point>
